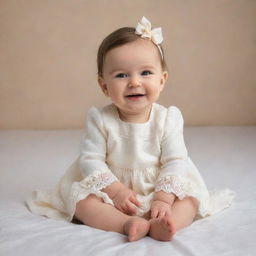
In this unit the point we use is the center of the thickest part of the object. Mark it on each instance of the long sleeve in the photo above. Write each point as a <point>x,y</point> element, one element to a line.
<point>92,164</point>
<point>174,156</point>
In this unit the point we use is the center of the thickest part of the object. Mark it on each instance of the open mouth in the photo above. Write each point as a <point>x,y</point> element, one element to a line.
<point>138,95</point>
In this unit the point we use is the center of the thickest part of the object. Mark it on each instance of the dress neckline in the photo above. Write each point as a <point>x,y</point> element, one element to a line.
<point>117,117</point>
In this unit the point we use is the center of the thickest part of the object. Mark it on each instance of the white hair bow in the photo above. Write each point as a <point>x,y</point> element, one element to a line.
<point>144,30</point>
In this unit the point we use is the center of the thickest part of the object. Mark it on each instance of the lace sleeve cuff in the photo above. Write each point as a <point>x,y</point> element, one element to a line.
<point>98,181</point>
<point>171,184</point>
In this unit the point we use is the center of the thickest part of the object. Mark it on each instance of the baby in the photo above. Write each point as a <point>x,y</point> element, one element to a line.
<point>134,175</point>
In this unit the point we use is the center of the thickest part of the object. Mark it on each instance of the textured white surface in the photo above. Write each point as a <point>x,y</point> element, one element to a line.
<point>225,157</point>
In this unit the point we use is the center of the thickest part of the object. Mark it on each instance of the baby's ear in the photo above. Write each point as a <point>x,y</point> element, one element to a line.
<point>164,78</point>
<point>103,85</point>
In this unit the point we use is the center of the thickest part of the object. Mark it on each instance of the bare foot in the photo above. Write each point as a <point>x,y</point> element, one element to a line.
<point>136,228</point>
<point>162,229</point>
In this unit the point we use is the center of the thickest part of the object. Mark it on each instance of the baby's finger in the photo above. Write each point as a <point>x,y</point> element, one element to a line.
<point>128,210</point>
<point>134,200</point>
<point>131,208</point>
<point>154,213</point>
<point>121,209</point>
<point>124,208</point>
<point>161,214</point>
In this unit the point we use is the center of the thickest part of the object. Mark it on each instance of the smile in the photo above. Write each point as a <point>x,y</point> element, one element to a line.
<point>135,95</point>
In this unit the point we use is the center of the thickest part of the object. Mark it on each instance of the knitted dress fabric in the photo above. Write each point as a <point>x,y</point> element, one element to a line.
<point>146,157</point>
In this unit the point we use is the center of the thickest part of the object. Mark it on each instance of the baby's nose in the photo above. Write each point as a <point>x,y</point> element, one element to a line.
<point>134,81</point>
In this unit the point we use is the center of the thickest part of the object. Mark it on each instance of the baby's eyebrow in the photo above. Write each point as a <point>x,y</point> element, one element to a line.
<point>148,66</point>
<point>111,72</point>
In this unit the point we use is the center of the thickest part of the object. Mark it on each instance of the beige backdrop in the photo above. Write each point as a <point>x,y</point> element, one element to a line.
<point>48,58</point>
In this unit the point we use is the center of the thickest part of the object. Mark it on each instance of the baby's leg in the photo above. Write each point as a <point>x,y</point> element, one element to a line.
<point>92,211</point>
<point>183,214</point>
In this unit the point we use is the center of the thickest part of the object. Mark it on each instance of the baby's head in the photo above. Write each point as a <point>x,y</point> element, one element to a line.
<point>118,38</point>
<point>132,69</point>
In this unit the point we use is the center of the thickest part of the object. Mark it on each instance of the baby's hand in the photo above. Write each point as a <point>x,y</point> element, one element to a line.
<point>125,201</point>
<point>160,209</point>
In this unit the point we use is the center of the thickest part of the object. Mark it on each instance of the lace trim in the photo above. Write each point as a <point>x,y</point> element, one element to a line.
<point>172,184</point>
<point>98,181</point>
<point>92,184</point>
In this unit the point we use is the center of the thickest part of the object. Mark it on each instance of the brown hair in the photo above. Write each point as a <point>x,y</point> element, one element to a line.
<point>117,38</point>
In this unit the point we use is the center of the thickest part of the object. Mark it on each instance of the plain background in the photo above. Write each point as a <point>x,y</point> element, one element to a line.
<point>48,58</point>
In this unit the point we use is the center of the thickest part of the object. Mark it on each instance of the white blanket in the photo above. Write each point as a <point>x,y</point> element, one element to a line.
<point>225,157</point>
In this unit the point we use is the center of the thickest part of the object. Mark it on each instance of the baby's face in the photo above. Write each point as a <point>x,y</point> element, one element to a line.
<point>133,77</point>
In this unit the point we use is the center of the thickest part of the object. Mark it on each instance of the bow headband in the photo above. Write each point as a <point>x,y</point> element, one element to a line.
<point>155,35</point>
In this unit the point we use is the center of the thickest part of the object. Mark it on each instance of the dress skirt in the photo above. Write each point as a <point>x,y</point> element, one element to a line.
<point>73,187</point>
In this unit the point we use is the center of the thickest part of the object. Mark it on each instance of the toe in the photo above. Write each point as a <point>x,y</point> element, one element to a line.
<point>132,233</point>
<point>171,226</point>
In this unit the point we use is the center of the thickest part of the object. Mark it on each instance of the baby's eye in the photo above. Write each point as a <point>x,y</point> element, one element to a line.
<point>146,73</point>
<point>121,75</point>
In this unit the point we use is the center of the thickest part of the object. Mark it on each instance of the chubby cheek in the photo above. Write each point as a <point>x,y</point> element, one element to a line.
<point>115,92</point>
<point>154,90</point>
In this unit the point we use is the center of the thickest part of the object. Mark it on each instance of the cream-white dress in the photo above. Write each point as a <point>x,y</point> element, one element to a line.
<point>146,157</point>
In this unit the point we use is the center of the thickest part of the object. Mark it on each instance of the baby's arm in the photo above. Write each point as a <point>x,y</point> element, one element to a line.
<point>165,197</point>
<point>124,198</point>
<point>113,189</point>
<point>173,161</point>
